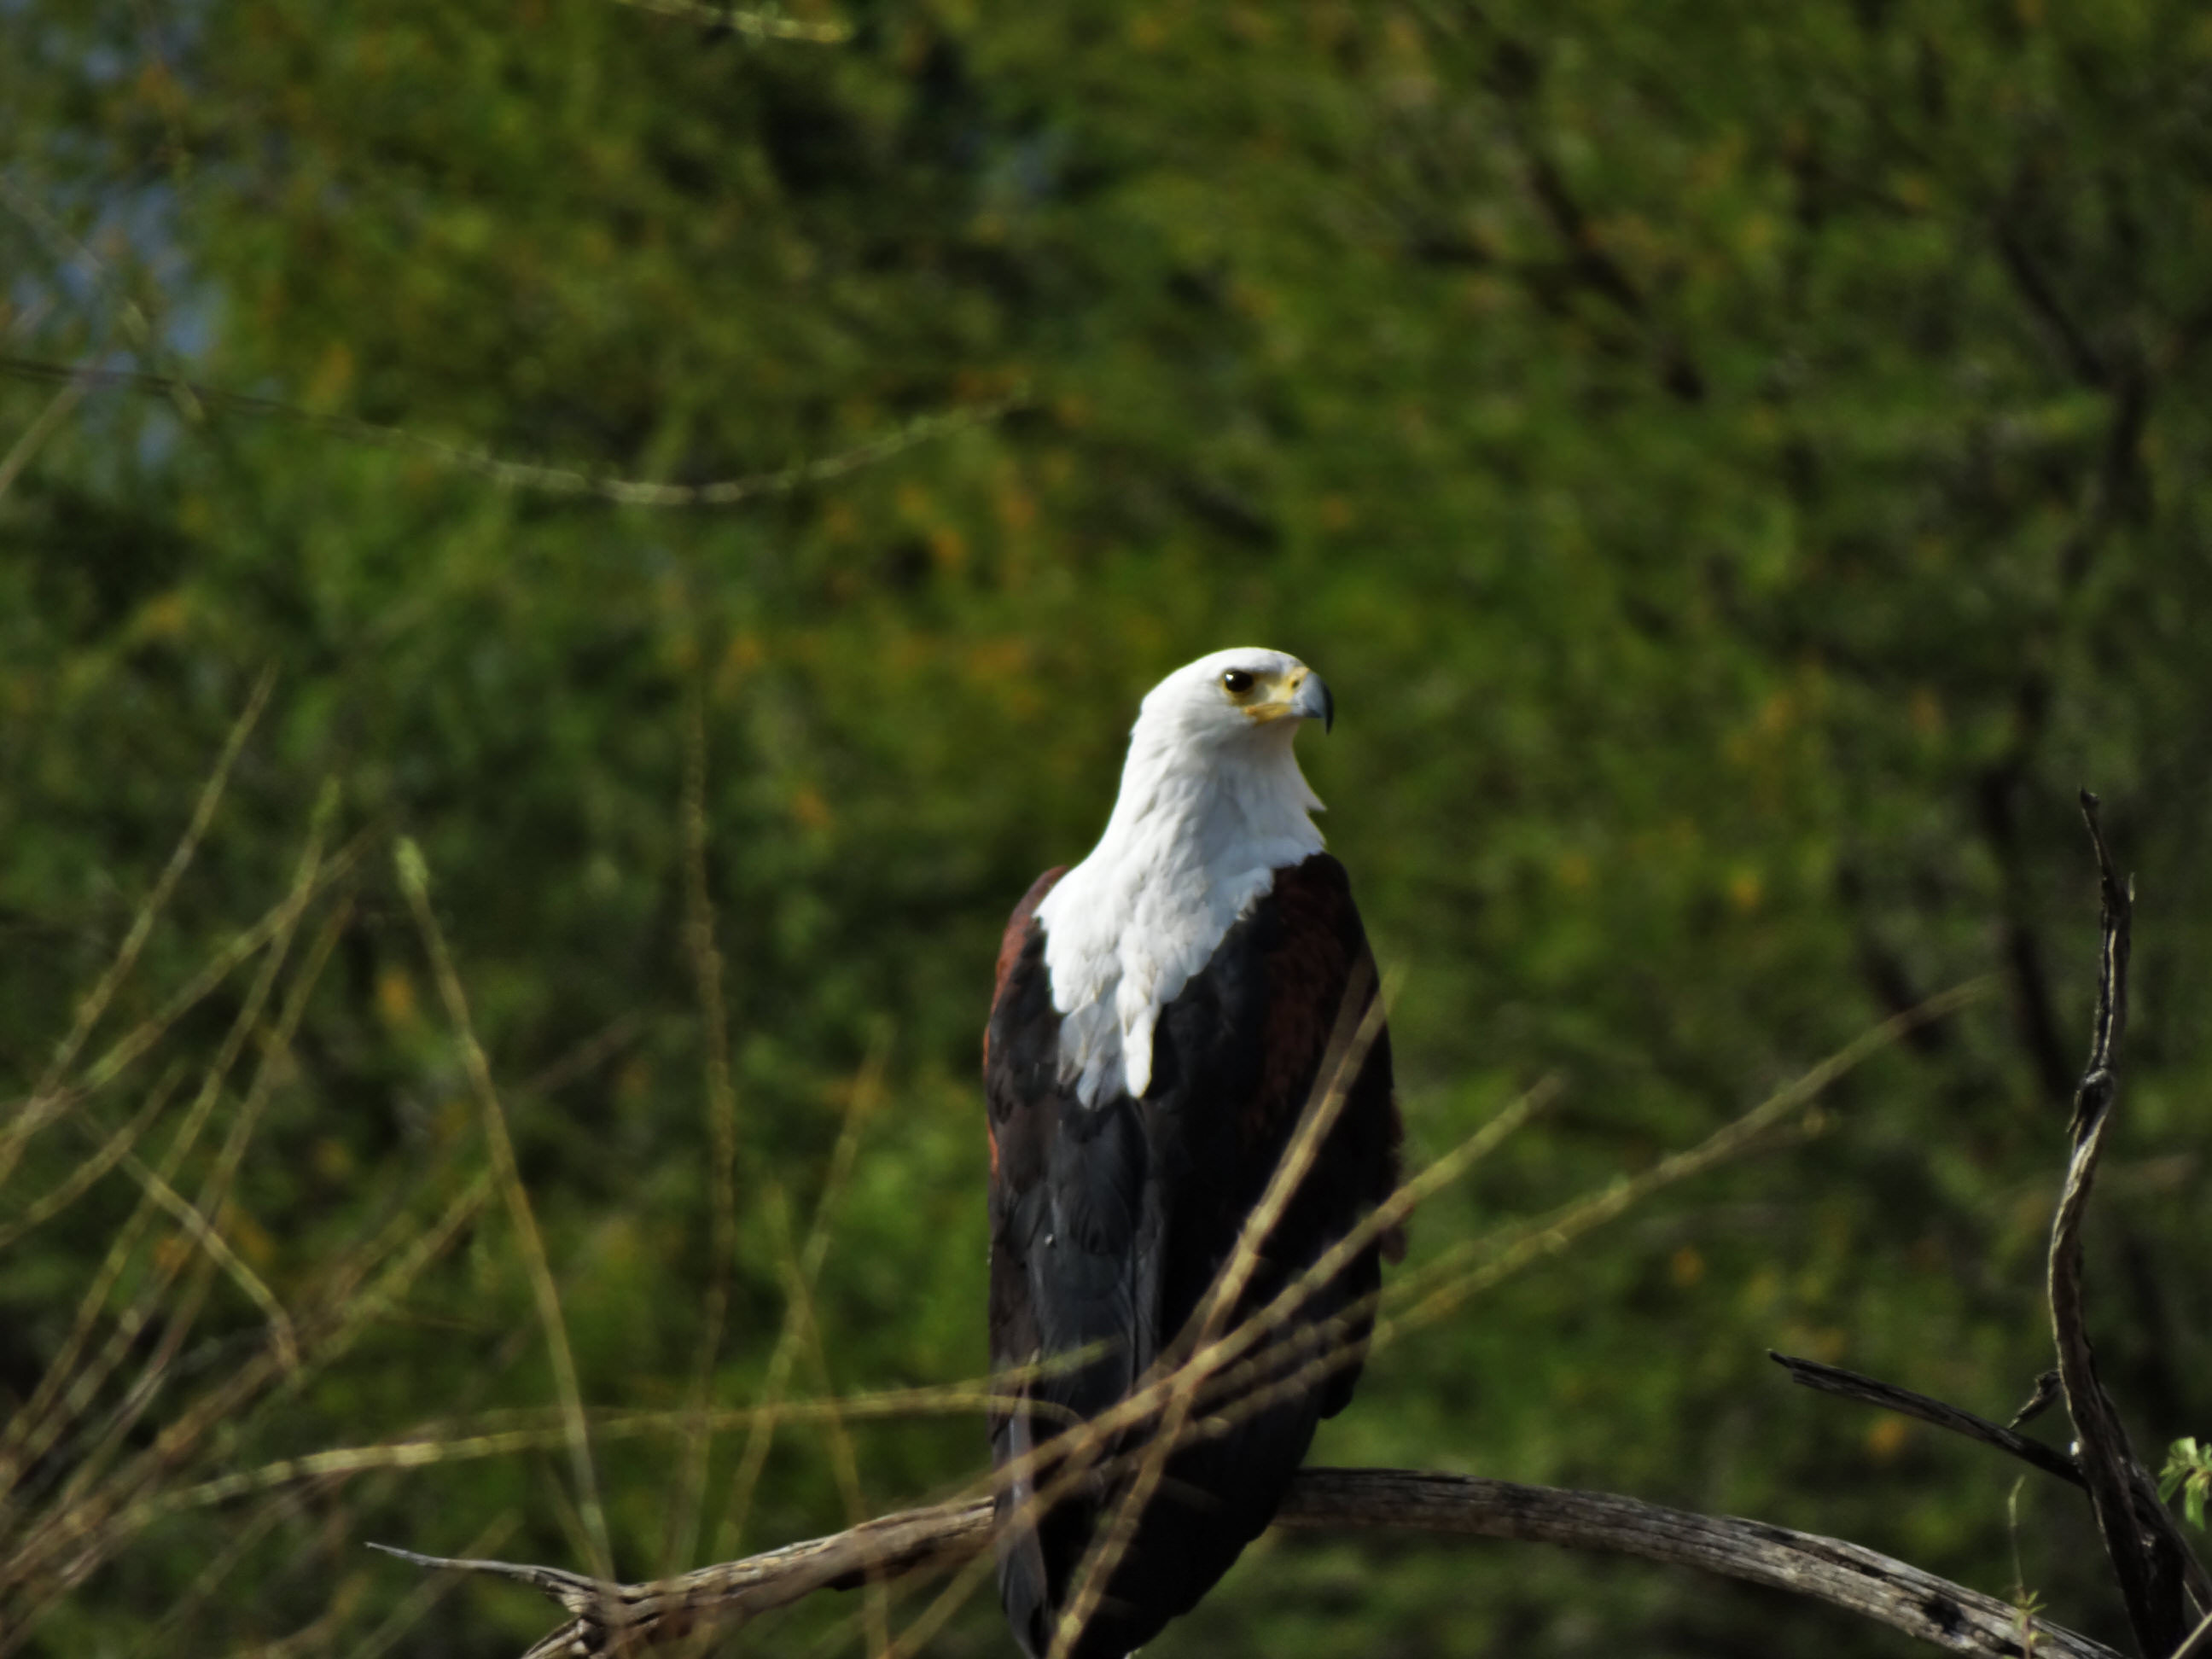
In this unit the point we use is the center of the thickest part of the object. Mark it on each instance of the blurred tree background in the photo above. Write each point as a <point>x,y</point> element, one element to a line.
<point>1740,468</point>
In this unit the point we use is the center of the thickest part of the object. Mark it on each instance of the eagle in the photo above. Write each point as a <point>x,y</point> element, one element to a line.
<point>1163,1011</point>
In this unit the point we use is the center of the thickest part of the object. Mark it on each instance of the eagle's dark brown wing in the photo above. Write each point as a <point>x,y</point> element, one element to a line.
<point>1109,1222</point>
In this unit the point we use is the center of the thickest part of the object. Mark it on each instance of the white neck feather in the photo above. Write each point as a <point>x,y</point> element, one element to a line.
<point>1202,824</point>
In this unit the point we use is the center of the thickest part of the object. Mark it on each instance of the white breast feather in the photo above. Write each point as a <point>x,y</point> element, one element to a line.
<point>1197,834</point>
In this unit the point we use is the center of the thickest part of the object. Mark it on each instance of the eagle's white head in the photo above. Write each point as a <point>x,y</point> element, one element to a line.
<point>1212,804</point>
<point>1232,699</point>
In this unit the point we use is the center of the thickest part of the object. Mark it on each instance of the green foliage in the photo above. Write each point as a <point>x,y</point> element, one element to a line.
<point>2188,1471</point>
<point>1741,472</point>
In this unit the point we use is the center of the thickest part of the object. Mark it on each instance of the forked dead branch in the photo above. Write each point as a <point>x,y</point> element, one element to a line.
<point>2165,1590</point>
<point>2163,1586</point>
<point>607,1619</point>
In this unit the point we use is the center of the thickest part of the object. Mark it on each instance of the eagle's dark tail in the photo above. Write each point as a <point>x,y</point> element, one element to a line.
<point>1215,1496</point>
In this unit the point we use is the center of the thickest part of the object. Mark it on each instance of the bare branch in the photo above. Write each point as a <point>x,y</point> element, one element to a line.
<point>603,1617</point>
<point>754,23</point>
<point>523,475</point>
<point>1851,1385</point>
<point>2082,358</point>
<point>1237,1365</point>
<point>59,409</point>
<point>2149,1558</point>
<point>1846,1575</point>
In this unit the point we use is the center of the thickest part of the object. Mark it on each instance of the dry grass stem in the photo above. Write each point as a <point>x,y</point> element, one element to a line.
<point>799,1269</point>
<point>197,1218</point>
<point>681,1541</point>
<point>142,1038</point>
<point>1443,1283</point>
<point>58,409</point>
<point>66,1389</point>
<point>414,881</point>
<point>42,1106</point>
<point>102,1158</point>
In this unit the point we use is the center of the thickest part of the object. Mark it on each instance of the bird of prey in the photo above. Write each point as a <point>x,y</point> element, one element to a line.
<point>1164,1011</point>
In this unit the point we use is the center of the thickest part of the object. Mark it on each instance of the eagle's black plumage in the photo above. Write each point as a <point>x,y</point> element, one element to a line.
<point>1109,1222</point>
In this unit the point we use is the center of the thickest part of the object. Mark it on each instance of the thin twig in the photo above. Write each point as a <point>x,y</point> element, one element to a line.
<point>800,1268</point>
<point>587,1056</point>
<point>57,409</point>
<point>413,1609</point>
<point>102,1158</point>
<point>525,475</point>
<point>844,1456</point>
<point>755,25</point>
<point>66,1390</point>
<point>97,1509</point>
<point>203,1231</point>
<point>1449,1280</point>
<point>1851,1385</point>
<point>200,1217</point>
<point>134,1044</point>
<point>102,277</point>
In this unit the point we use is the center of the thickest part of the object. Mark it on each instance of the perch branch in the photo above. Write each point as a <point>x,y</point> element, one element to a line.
<point>2149,1559</point>
<point>610,1618</point>
<point>1851,1385</point>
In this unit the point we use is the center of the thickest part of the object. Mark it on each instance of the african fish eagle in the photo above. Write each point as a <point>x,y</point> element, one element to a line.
<point>1161,1015</point>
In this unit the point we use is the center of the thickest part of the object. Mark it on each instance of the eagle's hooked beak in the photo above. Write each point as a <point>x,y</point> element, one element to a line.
<point>1313,702</point>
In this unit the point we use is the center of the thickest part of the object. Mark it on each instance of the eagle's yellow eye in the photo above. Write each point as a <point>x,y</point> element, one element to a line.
<point>1235,682</point>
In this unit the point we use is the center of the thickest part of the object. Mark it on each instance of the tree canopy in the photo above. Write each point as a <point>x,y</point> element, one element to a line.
<point>717,482</point>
